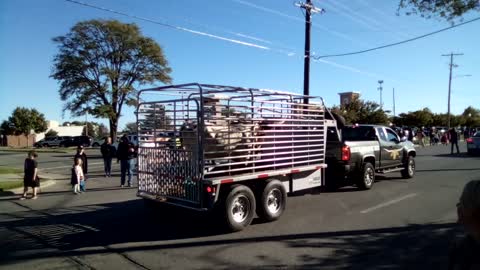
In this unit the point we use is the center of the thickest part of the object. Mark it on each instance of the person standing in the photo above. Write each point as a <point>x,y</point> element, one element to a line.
<point>81,155</point>
<point>78,177</point>
<point>453,138</point>
<point>125,155</point>
<point>108,152</point>
<point>30,176</point>
<point>421,137</point>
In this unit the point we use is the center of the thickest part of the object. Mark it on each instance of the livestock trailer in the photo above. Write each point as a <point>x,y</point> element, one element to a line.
<point>235,150</point>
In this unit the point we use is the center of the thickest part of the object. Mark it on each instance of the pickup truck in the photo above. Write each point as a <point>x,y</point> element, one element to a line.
<point>356,153</point>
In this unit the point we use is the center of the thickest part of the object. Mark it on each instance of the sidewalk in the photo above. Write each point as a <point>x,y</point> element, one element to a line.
<point>46,180</point>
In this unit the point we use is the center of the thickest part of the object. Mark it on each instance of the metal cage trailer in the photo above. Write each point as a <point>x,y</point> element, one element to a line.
<point>237,151</point>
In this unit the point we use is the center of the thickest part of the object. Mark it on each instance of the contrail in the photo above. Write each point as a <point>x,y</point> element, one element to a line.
<point>276,12</point>
<point>174,26</point>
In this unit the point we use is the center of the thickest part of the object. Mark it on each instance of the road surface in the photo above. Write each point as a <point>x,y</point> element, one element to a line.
<point>399,224</point>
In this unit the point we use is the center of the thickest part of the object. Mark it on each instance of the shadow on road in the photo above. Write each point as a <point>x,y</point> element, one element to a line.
<point>87,230</point>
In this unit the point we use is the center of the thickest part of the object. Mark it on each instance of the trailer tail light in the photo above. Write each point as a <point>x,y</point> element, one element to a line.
<point>470,140</point>
<point>346,153</point>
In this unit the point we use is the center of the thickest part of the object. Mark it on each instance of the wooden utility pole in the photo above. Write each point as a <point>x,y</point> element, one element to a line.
<point>450,82</point>
<point>309,9</point>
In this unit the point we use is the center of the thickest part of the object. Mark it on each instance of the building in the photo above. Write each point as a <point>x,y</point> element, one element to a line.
<point>62,130</point>
<point>347,97</point>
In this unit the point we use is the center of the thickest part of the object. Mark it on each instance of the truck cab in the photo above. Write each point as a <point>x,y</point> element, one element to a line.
<point>361,151</point>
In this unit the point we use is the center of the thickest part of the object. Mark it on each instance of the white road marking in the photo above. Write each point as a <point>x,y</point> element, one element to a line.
<point>388,203</point>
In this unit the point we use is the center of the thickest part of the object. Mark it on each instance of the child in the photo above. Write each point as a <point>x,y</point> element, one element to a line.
<point>30,178</point>
<point>77,176</point>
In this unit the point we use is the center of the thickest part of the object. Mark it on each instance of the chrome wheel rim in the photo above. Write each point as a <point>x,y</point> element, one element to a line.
<point>240,208</point>
<point>274,200</point>
<point>369,175</point>
<point>411,167</point>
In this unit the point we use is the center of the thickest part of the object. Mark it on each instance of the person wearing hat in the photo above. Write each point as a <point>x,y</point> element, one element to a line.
<point>30,177</point>
<point>81,155</point>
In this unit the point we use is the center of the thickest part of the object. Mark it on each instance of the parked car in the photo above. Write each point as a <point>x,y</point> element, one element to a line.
<point>85,141</point>
<point>361,151</point>
<point>473,144</point>
<point>52,141</point>
<point>98,142</point>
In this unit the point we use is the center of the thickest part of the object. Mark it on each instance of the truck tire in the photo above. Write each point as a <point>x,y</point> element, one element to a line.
<point>239,208</point>
<point>367,177</point>
<point>409,170</point>
<point>272,201</point>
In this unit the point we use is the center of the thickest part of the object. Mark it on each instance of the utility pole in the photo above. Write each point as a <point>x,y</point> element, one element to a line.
<point>380,88</point>
<point>450,82</point>
<point>394,115</point>
<point>309,9</point>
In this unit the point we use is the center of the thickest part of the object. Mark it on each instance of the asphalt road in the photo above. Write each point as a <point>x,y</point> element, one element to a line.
<point>399,224</point>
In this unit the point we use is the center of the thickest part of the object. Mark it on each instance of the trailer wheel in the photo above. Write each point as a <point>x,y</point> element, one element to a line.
<point>239,207</point>
<point>272,201</point>
<point>367,176</point>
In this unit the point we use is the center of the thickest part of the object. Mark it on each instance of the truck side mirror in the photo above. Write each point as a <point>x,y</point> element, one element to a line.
<point>403,139</point>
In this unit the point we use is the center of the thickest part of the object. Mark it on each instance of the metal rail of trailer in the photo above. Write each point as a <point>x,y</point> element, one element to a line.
<point>197,138</point>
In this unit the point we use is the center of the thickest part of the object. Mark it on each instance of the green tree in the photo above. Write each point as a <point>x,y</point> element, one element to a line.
<point>448,9</point>
<point>102,131</point>
<point>51,133</point>
<point>99,65</point>
<point>418,118</point>
<point>130,128</point>
<point>90,129</point>
<point>471,117</point>
<point>362,112</point>
<point>24,120</point>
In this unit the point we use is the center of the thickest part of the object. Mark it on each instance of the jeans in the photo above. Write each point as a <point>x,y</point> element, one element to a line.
<point>126,167</point>
<point>107,163</point>
<point>456,144</point>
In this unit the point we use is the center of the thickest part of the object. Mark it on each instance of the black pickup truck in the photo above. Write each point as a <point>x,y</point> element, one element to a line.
<point>356,153</point>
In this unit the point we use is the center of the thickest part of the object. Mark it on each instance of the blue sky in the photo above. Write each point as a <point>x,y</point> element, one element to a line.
<point>416,70</point>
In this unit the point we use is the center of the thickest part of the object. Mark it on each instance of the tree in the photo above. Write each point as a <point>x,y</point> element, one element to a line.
<point>51,133</point>
<point>471,117</point>
<point>24,120</point>
<point>448,9</point>
<point>362,112</point>
<point>92,129</point>
<point>418,118</point>
<point>130,128</point>
<point>99,65</point>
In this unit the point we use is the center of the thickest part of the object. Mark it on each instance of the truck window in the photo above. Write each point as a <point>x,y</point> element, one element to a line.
<point>392,136</point>
<point>358,134</point>
<point>332,135</point>
<point>381,134</point>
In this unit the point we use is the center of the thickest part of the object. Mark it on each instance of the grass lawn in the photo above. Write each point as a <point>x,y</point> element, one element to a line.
<point>9,170</point>
<point>6,185</point>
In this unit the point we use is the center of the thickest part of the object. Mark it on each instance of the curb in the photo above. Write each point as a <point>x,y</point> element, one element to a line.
<point>19,190</point>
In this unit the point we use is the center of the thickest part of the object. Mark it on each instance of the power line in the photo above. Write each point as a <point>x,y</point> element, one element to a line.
<point>287,53</point>
<point>249,44</point>
<point>397,43</point>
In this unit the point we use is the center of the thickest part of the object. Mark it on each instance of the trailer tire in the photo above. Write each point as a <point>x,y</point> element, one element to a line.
<point>272,201</point>
<point>239,208</point>
<point>367,176</point>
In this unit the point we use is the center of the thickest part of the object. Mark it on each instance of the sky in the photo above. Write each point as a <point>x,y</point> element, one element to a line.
<point>254,43</point>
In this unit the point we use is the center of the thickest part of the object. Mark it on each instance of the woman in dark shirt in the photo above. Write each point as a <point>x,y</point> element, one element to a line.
<point>30,177</point>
